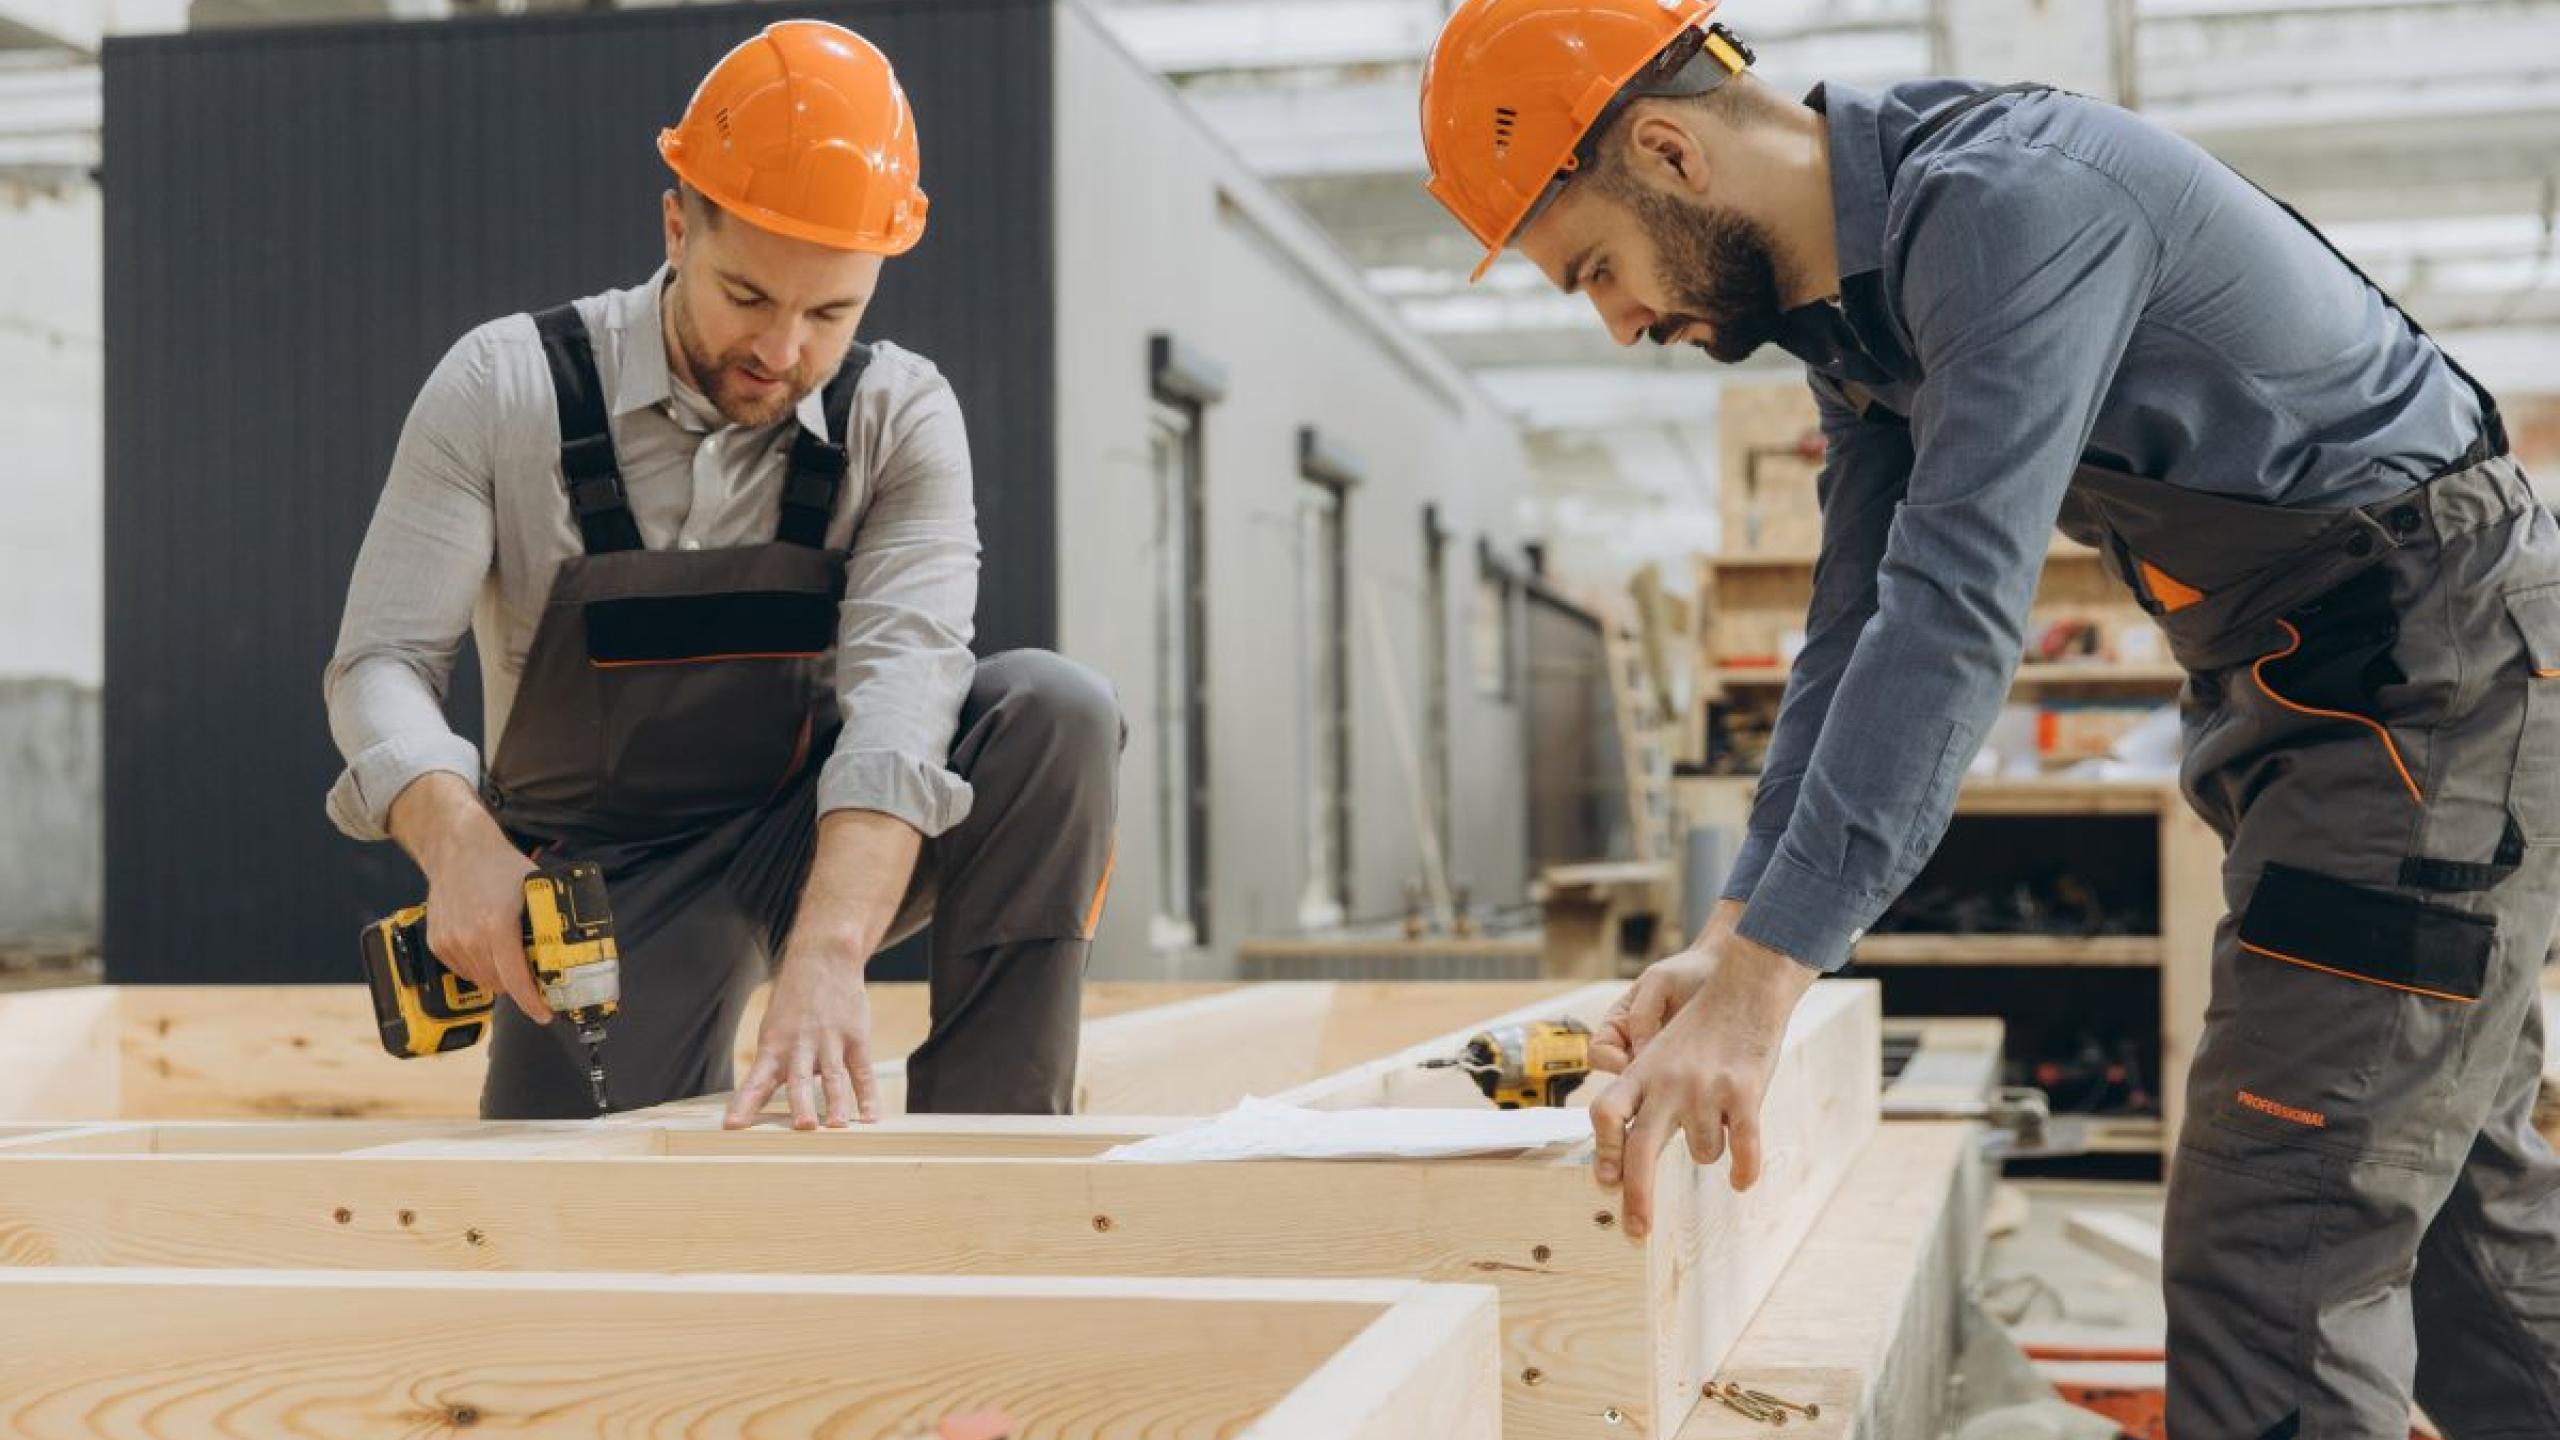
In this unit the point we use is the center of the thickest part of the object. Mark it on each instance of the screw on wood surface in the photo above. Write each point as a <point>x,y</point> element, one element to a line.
<point>463,1417</point>
<point>1102,1224</point>
<point>342,1215</point>
<point>474,1236</point>
<point>1808,1411</point>
<point>1732,1400</point>
<point>1541,1254</point>
<point>408,1218</point>
<point>1613,1416</point>
<point>1604,1219</point>
<point>1533,1376</point>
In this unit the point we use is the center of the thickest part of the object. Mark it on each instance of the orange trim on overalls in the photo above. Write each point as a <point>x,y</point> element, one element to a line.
<point>1102,892</point>
<point>2351,975</point>
<point>2257,672</point>
<point>2173,593</point>
<point>706,659</point>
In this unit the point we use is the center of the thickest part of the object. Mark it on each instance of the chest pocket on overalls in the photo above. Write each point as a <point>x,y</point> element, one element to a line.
<point>2534,794</point>
<point>709,699</point>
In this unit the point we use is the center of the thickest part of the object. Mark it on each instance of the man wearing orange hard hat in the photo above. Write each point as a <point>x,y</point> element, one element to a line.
<point>721,561</point>
<point>2019,308</point>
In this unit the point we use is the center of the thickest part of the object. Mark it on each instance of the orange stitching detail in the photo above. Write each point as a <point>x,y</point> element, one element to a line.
<point>2257,672</point>
<point>2262,1104</point>
<point>1102,892</point>
<point>2361,979</point>
<point>707,659</point>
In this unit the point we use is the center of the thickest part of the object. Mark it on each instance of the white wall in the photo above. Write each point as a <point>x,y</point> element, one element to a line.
<point>1159,228</point>
<point>52,398</point>
<point>52,577</point>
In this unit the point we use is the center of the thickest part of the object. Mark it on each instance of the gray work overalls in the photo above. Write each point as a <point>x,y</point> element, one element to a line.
<point>675,709</point>
<point>2372,719</point>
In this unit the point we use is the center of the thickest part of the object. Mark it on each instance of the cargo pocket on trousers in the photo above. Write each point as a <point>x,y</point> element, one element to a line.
<point>2353,1007</point>
<point>2533,793</point>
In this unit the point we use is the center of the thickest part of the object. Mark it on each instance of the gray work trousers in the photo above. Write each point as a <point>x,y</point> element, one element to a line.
<point>2360,1208</point>
<point>1012,894</point>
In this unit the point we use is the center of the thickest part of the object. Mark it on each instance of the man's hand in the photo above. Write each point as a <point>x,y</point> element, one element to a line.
<point>1658,994</point>
<point>816,1032</point>
<point>1704,1074</point>
<point>817,1023</point>
<point>475,887</point>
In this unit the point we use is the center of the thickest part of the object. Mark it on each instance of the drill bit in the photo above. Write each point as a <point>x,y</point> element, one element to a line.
<point>591,1033</point>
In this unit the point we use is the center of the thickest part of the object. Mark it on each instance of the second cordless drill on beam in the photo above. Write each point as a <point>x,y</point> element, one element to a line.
<point>424,1008</point>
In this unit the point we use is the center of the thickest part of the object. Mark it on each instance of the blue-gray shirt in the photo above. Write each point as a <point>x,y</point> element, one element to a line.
<point>2045,276</point>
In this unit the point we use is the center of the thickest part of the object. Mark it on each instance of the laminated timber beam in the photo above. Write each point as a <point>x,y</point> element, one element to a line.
<point>105,1052</point>
<point>1594,1325</point>
<point>149,1354</point>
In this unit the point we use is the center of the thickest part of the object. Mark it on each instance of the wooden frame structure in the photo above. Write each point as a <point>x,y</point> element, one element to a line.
<point>1600,1336</point>
<point>334,1354</point>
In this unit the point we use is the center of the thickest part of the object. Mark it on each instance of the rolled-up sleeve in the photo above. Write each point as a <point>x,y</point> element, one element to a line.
<point>903,664</point>
<point>2025,272</point>
<point>1865,467</point>
<point>425,558</point>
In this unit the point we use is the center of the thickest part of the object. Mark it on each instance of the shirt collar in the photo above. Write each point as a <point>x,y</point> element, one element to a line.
<point>641,378</point>
<point>1858,182</point>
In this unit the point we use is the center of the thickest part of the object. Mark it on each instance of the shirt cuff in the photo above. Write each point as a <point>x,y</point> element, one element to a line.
<point>1809,918</point>
<point>923,794</point>
<point>1759,847</point>
<point>360,802</point>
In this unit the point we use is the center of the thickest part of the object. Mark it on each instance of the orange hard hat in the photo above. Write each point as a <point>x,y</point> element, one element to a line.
<point>803,131</point>
<point>1516,91</point>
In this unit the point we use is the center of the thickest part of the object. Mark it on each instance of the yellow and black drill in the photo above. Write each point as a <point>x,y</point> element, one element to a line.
<point>1523,1066</point>
<point>426,1009</point>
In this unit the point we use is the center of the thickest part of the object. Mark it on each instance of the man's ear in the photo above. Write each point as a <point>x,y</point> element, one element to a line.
<point>671,209</point>
<point>1663,153</point>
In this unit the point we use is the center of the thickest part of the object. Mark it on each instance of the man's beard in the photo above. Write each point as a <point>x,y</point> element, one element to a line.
<point>724,382</point>
<point>1720,268</point>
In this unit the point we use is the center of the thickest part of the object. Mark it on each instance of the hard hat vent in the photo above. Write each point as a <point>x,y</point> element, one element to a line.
<point>720,118</point>
<point>1504,117</point>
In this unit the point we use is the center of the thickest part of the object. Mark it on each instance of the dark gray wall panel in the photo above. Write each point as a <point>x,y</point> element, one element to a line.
<point>298,223</point>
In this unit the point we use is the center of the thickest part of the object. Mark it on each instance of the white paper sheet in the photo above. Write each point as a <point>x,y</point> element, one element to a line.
<point>1261,1129</point>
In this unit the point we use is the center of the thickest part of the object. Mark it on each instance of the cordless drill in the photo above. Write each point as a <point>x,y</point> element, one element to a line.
<point>424,1008</point>
<point>1521,1066</point>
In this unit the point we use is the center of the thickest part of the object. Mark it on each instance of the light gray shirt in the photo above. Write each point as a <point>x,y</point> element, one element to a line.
<point>473,522</point>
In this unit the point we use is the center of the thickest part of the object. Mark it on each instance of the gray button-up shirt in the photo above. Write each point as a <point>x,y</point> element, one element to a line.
<point>2045,277</point>
<point>473,521</point>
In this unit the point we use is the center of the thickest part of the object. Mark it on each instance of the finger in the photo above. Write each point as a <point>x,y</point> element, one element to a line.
<point>1706,1140</point>
<point>839,1086</point>
<point>748,1103</point>
<point>1743,1119</point>
<point>1649,1012</point>
<point>1610,1048</point>
<point>803,1086</point>
<point>1609,1116</point>
<point>1645,1139</point>
<point>515,972</point>
<point>866,1089</point>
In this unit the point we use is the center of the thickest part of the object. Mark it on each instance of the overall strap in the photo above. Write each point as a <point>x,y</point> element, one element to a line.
<point>818,463</point>
<point>588,467</point>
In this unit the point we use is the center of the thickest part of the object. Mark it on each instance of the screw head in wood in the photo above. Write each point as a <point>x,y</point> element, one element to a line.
<point>1533,1376</point>
<point>1541,1254</point>
<point>342,1215</point>
<point>1102,1224</point>
<point>1604,1219</point>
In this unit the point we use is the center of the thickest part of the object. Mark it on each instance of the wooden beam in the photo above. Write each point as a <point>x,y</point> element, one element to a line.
<point>1397,1078</point>
<point>1591,1322</point>
<point>2131,1242</point>
<point>166,1353</point>
<point>153,1052</point>
<point>58,1054</point>
<point>1865,1320</point>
